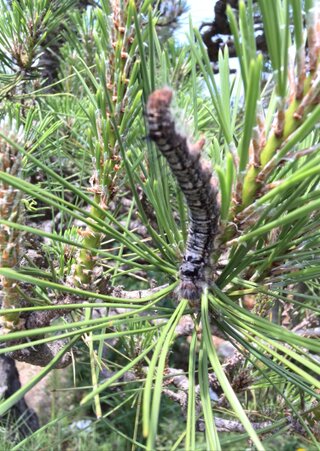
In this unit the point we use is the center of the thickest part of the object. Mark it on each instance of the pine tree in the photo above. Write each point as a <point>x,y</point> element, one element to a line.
<point>149,206</point>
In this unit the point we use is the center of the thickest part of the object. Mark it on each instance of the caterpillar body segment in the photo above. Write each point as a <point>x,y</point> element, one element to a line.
<point>198,185</point>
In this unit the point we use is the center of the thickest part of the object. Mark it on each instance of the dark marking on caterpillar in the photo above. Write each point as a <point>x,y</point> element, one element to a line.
<point>195,178</point>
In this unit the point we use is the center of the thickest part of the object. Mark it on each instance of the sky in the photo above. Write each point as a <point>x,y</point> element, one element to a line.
<point>200,11</point>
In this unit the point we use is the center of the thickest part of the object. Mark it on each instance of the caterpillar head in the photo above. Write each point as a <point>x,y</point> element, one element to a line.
<point>190,291</point>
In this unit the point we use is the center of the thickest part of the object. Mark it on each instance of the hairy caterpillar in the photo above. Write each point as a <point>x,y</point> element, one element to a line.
<point>198,185</point>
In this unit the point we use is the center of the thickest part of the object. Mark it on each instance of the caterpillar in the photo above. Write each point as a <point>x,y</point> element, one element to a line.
<point>199,187</point>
